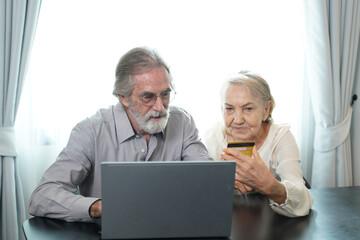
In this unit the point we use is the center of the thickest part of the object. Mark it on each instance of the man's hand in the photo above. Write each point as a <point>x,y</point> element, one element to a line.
<point>95,209</point>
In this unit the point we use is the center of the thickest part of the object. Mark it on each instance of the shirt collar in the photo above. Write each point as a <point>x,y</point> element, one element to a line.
<point>124,128</point>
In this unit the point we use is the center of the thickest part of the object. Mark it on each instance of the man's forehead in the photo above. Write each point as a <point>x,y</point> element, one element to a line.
<point>156,80</point>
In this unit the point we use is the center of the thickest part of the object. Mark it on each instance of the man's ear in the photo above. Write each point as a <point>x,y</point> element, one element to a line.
<point>124,100</point>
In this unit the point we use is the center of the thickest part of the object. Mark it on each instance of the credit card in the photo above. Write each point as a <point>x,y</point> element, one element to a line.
<point>244,147</point>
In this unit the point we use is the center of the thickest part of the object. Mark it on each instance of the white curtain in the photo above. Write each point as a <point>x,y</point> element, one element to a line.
<point>17,29</point>
<point>331,43</point>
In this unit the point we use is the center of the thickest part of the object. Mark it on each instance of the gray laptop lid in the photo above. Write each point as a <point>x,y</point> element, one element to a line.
<point>167,199</point>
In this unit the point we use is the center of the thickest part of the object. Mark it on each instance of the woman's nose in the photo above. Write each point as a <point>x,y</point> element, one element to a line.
<point>238,117</point>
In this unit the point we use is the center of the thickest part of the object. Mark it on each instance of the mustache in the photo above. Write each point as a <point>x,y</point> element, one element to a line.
<point>156,114</point>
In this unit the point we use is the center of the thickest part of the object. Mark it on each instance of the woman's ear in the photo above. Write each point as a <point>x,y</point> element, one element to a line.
<point>267,111</point>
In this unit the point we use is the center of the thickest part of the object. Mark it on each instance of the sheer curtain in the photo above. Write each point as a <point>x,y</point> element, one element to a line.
<point>332,40</point>
<point>17,30</point>
<point>74,58</point>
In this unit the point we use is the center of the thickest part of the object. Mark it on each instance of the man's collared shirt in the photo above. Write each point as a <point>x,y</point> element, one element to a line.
<point>108,136</point>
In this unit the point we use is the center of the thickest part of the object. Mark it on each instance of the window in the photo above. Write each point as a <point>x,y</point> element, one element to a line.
<point>78,44</point>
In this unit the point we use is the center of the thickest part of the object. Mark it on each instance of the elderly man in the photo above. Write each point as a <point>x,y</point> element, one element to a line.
<point>141,127</point>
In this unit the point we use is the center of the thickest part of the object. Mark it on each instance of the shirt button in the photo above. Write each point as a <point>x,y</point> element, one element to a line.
<point>142,150</point>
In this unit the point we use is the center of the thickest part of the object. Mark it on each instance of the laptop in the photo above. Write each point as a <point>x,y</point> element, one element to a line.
<point>178,199</point>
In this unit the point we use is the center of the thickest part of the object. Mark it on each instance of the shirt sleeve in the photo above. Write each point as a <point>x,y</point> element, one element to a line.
<point>299,200</point>
<point>56,197</point>
<point>214,141</point>
<point>193,148</point>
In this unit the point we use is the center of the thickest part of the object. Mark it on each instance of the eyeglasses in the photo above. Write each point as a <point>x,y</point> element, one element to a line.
<point>149,98</point>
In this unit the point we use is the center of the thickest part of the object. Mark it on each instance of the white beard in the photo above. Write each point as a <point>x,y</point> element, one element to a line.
<point>146,124</point>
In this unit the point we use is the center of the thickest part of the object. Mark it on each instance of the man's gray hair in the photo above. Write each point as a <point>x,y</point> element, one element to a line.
<point>256,86</point>
<point>136,61</point>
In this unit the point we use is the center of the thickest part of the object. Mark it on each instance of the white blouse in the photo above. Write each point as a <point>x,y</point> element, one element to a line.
<point>281,155</point>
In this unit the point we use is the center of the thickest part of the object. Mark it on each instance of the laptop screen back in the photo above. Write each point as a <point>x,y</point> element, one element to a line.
<point>167,199</point>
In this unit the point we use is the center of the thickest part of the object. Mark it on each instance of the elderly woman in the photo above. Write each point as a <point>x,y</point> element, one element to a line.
<point>273,169</point>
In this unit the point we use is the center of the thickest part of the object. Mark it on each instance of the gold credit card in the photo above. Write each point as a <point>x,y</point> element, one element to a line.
<point>244,147</point>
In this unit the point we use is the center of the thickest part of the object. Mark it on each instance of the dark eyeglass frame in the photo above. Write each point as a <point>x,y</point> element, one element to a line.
<point>149,98</point>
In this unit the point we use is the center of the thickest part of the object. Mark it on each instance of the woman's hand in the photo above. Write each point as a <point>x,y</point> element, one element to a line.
<point>242,187</point>
<point>252,173</point>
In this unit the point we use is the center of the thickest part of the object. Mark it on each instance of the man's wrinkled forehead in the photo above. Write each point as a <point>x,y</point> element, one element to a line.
<point>153,81</point>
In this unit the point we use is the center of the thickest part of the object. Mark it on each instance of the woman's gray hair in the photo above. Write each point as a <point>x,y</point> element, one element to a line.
<point>136,61</point>
<point>256,86</point>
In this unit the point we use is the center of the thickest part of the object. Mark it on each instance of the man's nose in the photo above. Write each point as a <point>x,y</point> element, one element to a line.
<point>158,105</point>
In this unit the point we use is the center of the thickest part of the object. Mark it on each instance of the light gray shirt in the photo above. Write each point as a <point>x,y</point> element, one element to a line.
<point>108,136</point>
